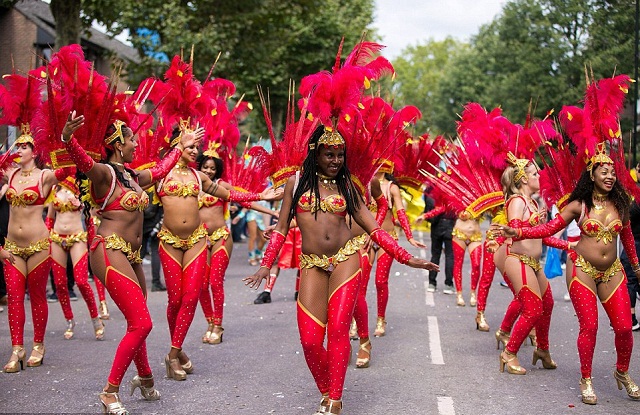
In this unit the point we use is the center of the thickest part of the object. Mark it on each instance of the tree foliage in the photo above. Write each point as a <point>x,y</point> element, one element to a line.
<point>533,55</point>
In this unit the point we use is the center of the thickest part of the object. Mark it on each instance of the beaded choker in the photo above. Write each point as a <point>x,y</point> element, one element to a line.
<point>327,182</point>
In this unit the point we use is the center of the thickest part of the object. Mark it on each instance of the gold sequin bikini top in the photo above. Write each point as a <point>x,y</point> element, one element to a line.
<point>335,204</point>
<point>596,229</point>
<point>178,188</point>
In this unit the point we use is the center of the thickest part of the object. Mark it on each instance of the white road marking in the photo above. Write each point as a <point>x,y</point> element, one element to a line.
<point>428,299</point>
<point>445,405</point>
<point>434,341</point>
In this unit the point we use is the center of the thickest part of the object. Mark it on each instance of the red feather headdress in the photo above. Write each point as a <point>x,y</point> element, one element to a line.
<point>73,84</point>
<point>20,100</point>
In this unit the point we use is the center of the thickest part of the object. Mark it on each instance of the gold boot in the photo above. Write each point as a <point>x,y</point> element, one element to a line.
<point>16,361</point>
<point>502,337</point>
<point>98,328</point>
<point>324,404</point>
<point>37,355</point>
<point>381,327</point>
<point>532,337</point>
<point>174,369</point>
<point>473,300</point>
<point>481,322</point>
<point>68,333</point>
<point>103,310</point>
<point>459,299</point>
<point>545,356</point>
<point>586,390</point>
<point>505,359</point>
<point>216,335</point>
<point>364,362</point>
<point>149,393</point>
<point>114,408</point>
<point>334,407</point>
<point>623,379</point>
<point>353,330</point>
<point>207,334</point>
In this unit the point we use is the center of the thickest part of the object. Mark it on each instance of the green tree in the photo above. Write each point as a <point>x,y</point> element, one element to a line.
<point>419,70</point>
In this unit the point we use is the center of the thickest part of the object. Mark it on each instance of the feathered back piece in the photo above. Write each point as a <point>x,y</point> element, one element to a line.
<point>221,123</point>
<point>373,133</point>
<point>490,136</point>
<point>179,98</point>
<point>248,172</point>
<point>288,153</point>
<point>413,156</point>
<point>561,166</point>
<point>73,84</point>
<point>467,184</point>
<point>20,100</point>
<point>599,122</point>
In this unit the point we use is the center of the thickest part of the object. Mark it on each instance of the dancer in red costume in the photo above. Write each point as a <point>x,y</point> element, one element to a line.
<point>320,198</point>
<point>466,236</point>
<point>68,237</point>
<point>522,266</point>
<point>600,206</point>
<point>360,325</point>
<point>114,252</point>
<point>212,213</point>
<point>27,237</point>
<point>391,192</point>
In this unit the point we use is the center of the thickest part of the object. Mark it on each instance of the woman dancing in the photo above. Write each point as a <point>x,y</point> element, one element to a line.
<point>600,207</point>
<point>319,199</point>
<point>115,249</point>
<point>466,236</point>
<point>69,238</point>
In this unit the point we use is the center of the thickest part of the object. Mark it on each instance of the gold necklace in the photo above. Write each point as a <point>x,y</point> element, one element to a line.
<point>125,173</point>
<point>599,201</point>
<point>182,169</point>
<point>25,173</point>
<point>327,182</point>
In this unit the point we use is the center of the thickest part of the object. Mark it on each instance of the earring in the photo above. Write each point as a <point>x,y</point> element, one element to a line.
<point>121,155</point>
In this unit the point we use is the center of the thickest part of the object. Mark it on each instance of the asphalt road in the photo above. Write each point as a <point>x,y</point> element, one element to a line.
<point>432,361</point>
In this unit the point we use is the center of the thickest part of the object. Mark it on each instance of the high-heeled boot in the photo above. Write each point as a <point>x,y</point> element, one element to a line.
<point>459,299</point>
<point>481,322</point>
<point>353,330</point>
<point>381,327</point>
<point>545,356</point>
<point>149,393</point>
<point>113,408</point>
<point>586,390</point>
<point>505,359</point>
<point>98,328</point>
<point>104,310</point>
<point>501,338</point>
<point>623,379</point>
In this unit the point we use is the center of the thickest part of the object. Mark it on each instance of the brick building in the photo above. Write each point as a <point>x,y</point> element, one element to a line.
<point>27,35</point>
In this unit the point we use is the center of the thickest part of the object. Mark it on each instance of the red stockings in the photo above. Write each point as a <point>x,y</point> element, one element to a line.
<point>617,308</point>
<point>183,289</point>
<point>215,273</point>
<point>16,288</point>
<point>458,260</point>
<point>382,281</point>
<point>80,272</point>
<point>486,279</point>
<point>129,298</point>
<point>329,366</point>
<point>361,310</point>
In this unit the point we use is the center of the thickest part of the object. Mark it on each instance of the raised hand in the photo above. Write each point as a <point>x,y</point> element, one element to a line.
<point>72,124</point>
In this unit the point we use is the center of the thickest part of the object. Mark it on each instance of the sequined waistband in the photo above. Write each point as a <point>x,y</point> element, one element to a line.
<point>595,274</point>
<point>27,251</point>
<point>329,263</point>
<point>475,237</point>
<point>220,233</point>
<point>116,242</point>
<point>184,244</point>
<point>67,241</point>
<point>527,260</point>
